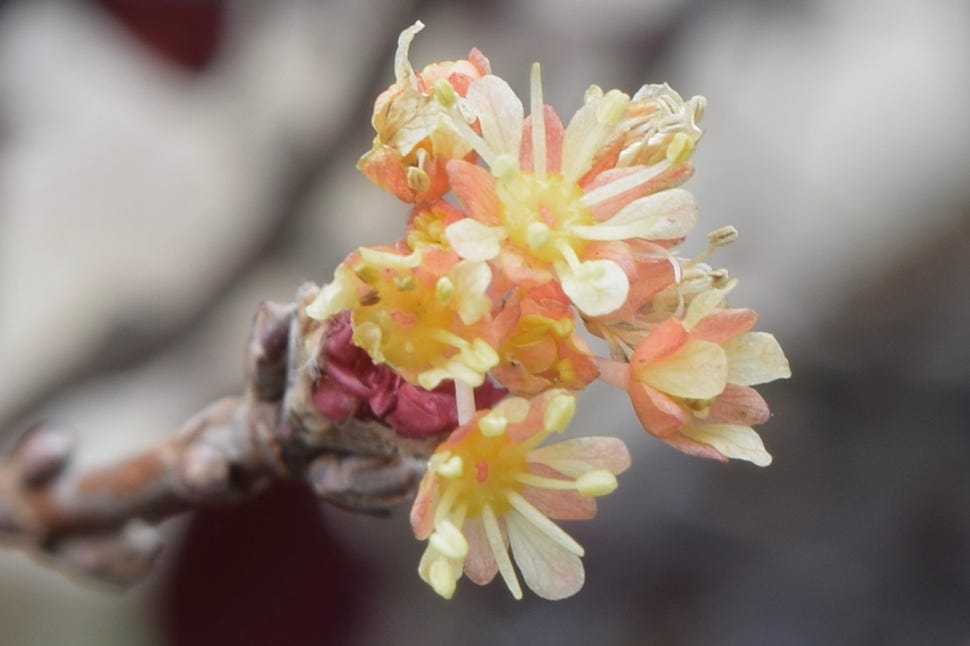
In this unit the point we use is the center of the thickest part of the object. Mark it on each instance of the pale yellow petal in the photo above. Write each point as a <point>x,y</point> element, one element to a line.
<point>755,358</point>
<point>697,371</point>
<point>473,240</point>
<point>577,456</point>
<point>471,281</point>
<point>596,287</point>
<point>550,570</point>
<point>500,114</point>
<point>668,215</point>
<point>731,440</point>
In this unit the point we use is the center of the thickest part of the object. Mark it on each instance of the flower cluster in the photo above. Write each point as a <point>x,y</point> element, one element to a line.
<point>520,228</point>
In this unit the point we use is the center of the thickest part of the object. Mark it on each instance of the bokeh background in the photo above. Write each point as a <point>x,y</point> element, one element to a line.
<point>165,166</point>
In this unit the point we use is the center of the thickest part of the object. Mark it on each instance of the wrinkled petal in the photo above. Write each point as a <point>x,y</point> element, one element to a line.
<point>550,570</point>
<point>732,441</point>
<point>499,112</point>
<point>596,287</point>
<point>473,240</point>
<point>756,358</point>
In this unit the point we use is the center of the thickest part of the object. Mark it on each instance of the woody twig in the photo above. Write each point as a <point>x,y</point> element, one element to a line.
<point>100,522</point>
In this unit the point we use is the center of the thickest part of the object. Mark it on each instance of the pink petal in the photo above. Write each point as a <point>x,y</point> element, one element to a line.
<point>658,414</point>
<point>723,325</point>
<point>739,405</point>
<point>475,189</point>
<point>575,457</point>
<point>565,504</point>
<point>664,340</point>
<point>422,511</point>
<point>696,449</point>
<point>480,565</point>
<point>549,569</point>
<point>499,113</point>
<point>554,134</point>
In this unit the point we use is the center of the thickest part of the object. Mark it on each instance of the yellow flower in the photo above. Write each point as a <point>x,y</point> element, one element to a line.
<point>426,314</point>
<point>554,195</point>
<point>490,486</point>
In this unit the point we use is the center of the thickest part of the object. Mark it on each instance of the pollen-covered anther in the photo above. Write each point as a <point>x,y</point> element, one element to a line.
<point>723,236</point>
<point>492,424</point>
<point>559,412</point>
<point>612,108</point>
<point>504,165</point>
<point>443,577</point>
<point>449,540</point>
<point>598,482</point>
<point>452,468</point>
<point>404,283</point>
<point>445,93</point>
<point>444,289</point>
<point>680,148</point>
<point>418,180</point>
<point>537,235</point>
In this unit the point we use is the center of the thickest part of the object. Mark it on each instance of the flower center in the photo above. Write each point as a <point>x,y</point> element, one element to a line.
<point>539,213</point>
<point>492,464</point>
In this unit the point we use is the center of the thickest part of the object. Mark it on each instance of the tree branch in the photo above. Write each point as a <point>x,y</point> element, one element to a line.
<point>98,522</point>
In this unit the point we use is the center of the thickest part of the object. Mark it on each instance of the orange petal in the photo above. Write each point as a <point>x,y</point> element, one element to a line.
<point>480,565</point>
<point>739,405</point>
<point>722,325</point>
<point>664,340</point>
<point>554,135</point>
<point>658,414</point>
<point>475,189</point>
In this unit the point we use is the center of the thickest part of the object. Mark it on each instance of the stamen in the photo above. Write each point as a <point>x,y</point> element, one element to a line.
<point>598,482</point>
<point>449,338</point>
<point>443,289</point>
<point>614,188</point>
<point>544,482</point>
<point>465,401</point>
<point>495,542</point>
<point>452,468</point>
<point>470,136</point>
<point>542,523</point>
<point>538,125</point>
<point>449,540</point>
<point>568,255</point>
<point>559,412</point>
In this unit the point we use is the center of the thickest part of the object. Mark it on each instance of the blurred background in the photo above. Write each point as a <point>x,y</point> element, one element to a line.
<point>165,166</point>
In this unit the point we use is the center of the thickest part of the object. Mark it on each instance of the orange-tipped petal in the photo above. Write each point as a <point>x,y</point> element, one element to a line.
<point>739,405</point>
<point>475,189</point>
<point>658,414</point>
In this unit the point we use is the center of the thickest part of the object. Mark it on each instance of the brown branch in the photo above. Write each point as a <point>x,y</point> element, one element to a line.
<point>98,522</point>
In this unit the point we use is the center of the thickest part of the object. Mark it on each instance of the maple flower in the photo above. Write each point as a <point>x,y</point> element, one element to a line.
<point>553,196</point>
<point>491,486</point>
<point>426,314</point>
<point>413,140</point>
<point>542,349</point>
<point>689,380</point>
